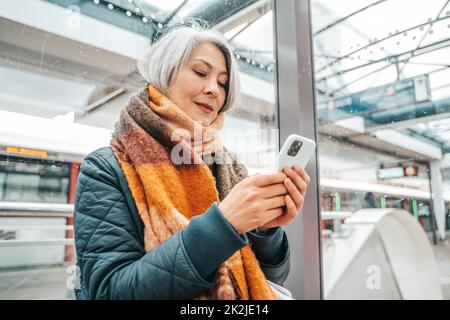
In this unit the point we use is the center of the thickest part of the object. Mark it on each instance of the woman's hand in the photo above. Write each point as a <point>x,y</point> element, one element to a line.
<point>255,201</point>
<point>296,183</point>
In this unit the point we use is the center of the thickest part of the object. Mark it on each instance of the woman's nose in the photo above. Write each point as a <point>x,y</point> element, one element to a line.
<point>212,88</point>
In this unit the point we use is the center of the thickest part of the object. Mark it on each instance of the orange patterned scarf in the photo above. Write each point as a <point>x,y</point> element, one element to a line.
<point>168,195</point>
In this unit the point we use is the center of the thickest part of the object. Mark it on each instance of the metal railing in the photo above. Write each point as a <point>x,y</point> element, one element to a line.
<point>336,217</point>
<point>24,209</point>
<point>21,209</point>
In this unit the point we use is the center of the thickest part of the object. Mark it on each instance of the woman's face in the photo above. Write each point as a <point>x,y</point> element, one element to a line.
<point>199,88</point>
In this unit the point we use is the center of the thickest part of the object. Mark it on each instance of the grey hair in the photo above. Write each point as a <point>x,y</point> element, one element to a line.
<point>167,56</point>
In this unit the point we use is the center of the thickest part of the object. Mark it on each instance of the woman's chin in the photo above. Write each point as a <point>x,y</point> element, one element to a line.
<point>204,121</point>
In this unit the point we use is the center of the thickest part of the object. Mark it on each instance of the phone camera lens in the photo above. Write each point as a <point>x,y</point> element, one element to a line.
<point>294,148</point>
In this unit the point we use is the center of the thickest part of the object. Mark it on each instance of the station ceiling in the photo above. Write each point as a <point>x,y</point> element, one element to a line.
<point>386,62</point>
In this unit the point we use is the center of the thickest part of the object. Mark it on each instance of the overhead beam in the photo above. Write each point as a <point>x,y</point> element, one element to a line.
<point>408,115</point>
<point>86,30</point>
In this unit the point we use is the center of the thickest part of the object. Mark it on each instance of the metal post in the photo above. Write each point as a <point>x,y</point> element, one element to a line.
<point>296,114</point>
<point>438,207</point>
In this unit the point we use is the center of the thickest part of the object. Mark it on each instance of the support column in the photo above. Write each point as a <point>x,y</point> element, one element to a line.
<point>296,114</point>
<point>436,197</point>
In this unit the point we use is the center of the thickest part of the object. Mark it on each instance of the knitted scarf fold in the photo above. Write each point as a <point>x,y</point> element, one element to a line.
<point>168,194</point>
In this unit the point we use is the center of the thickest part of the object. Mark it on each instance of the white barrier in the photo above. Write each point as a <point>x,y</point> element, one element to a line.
<point>387,256</point>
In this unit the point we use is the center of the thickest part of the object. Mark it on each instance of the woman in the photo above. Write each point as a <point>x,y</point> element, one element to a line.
<point>148,226</point>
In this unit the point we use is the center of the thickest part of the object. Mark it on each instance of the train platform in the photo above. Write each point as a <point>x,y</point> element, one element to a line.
<point>51,283</point>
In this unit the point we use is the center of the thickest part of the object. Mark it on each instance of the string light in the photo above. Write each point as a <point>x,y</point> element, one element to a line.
<point>160,26</point>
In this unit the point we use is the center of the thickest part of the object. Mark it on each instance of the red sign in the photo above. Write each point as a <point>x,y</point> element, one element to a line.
<point>410,170</point>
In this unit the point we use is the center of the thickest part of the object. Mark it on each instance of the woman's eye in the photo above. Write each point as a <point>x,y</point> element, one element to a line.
<point>222,84</point>
<point>201,74</point>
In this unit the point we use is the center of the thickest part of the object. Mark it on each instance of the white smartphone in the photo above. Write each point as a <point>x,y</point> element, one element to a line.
<point>296,150</point>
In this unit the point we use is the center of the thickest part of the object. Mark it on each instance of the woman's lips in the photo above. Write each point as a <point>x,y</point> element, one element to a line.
<point>204,107</point>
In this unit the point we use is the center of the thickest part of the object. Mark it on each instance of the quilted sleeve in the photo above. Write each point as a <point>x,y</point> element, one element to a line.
<point>272,250</point>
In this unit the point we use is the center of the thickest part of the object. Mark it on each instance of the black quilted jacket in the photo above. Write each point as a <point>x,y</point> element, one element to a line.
<point>111,259</point>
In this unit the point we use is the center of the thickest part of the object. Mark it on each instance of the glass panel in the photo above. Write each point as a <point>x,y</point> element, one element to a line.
<point>164,5</point>
<point>332,11</point>
<point>251,129</point>
<point>68,78</point>
<point>158,11</point>
<point>349,46</point>
<point>382,80</point>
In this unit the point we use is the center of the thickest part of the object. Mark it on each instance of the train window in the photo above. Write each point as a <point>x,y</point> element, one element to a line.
<point>33,180</point>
